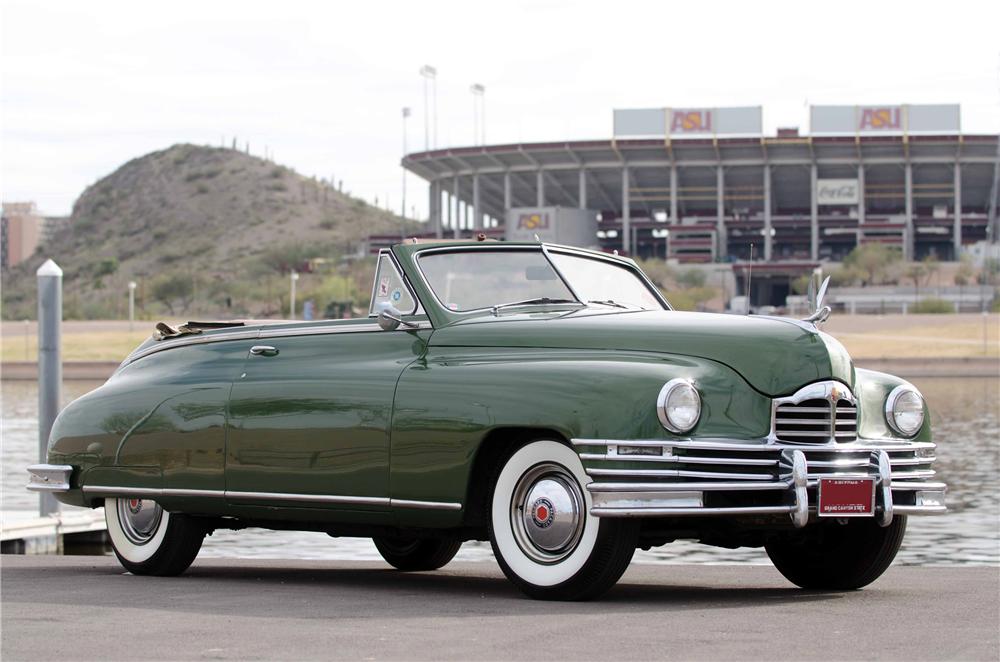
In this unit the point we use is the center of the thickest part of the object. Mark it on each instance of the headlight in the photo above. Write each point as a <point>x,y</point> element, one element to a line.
<point>904,410</point>
<point>678,405</point>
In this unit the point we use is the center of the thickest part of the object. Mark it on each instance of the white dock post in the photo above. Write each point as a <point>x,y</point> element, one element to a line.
<point>49,365</point>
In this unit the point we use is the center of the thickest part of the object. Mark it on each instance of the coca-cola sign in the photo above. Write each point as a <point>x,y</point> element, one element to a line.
<point>837,192</point>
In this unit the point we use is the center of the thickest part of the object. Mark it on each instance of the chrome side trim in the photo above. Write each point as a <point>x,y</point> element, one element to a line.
<point>153,492</point>
<point>108,490</point>
<point>430,505</point>
<point>310,498</point>
<point>330,330</point>
<point>49,477</point>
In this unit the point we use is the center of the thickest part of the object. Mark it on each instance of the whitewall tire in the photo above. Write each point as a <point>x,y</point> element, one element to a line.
<point>149,540</point>
<point>542,532</point>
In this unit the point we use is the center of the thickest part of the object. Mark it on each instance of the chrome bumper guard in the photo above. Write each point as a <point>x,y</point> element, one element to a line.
<point>49,477</point>
<point>740,478</point>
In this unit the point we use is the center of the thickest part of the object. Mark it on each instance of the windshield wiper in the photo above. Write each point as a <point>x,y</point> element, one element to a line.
<point>609,302</point>
<point>528,302</point>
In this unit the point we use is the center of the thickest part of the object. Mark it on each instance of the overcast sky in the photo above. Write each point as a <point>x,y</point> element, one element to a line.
<point>86,86</point>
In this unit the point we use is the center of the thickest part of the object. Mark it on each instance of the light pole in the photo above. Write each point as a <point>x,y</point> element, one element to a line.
<point>478,114</point>
<point>131,305</point>
<point>406,116</point>
<point>294,277</point>
<point>430,80</point>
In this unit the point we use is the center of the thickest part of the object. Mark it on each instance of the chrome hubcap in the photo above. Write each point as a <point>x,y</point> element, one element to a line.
<point>547,513</point>
<point>139,518</point>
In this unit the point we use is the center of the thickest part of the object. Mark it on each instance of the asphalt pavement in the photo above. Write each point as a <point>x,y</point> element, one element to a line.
<point>88,608</point>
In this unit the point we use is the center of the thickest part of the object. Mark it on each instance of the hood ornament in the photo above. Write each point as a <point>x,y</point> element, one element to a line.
<point>820,312</point>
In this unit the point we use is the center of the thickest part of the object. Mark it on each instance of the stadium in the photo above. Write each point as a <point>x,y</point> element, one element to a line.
<point>703,185</point>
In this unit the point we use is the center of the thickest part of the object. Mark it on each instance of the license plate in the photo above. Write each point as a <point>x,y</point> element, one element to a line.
<point>846,497</point>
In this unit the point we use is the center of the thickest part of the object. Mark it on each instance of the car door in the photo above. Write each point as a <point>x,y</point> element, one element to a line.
<point>309,418</point>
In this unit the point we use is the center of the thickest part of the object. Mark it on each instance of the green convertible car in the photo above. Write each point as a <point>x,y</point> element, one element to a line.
<point>541,397</point>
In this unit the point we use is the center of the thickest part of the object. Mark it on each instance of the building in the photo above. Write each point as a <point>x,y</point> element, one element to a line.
<point>20,232</point>
<point>705,184</point>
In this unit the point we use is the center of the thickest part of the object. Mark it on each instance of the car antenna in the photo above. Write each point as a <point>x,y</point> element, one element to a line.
<point>749,276</point>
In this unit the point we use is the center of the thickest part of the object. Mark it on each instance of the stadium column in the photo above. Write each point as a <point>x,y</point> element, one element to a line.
<point>477,210</point>
<point>720,211</point>
<point>861,194</point>
<point>540,188</point>
<point>434,206</point>
<point>583,188</point>
<point>813,214</point>
<point>450,198</point>
<point>768,239</point>
<point>957,215</point>
<point>673,194</point>
<point>909,238</point>
<point>456,225</point>
<point>626,214</point>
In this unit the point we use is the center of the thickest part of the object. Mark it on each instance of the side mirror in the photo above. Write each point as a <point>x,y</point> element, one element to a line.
<point>389,318</point>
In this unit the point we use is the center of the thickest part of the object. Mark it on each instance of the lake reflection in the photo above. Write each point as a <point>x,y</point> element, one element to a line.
<point>966,419</point>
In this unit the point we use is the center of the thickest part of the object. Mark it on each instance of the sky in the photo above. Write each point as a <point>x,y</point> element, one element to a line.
<point>87,86</point>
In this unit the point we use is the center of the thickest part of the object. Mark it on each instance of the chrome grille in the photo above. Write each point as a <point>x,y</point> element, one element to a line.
<point>816,421</point>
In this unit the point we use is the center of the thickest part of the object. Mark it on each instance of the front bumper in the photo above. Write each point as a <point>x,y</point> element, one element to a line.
<point>753,477</point>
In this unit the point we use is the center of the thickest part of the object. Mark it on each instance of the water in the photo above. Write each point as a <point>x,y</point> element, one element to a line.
<point>965,416</point>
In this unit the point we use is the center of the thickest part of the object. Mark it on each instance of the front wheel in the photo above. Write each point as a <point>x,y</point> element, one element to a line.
<point>150,541</point>
<point>543,535</point>
<point>414,554</point>
<point>838,557</point>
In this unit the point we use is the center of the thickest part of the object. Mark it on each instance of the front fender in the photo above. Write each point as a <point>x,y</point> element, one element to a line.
<point>448,404</point>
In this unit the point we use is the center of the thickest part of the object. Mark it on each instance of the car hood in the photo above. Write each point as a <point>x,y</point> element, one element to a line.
<point>774,355</point>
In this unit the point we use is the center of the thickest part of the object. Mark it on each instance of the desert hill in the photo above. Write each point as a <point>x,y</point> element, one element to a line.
<point>216,227</point>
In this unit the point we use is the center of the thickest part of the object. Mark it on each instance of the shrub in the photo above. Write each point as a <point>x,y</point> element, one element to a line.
<point>933,305</point>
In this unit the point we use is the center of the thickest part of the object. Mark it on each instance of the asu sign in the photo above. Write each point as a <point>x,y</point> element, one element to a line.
<point>884,119</point>
<point>697,120</point>
<point>682,122</point>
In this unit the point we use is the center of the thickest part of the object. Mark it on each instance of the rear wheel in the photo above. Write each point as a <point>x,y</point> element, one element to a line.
<point>543,535</point>
<point>150,541</point>
<point>838,557</point>
<point>413,554</point>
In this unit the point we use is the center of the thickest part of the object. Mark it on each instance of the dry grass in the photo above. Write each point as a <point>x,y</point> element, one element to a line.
<point>924,336</point>
<point>84,346</point>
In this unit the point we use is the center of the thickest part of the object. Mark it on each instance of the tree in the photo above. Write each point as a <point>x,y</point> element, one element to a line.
<point>870,263</point>
<point>916,273</point>
<point>172,289</point>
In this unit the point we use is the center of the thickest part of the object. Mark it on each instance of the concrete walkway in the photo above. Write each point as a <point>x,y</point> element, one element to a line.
<point>86,608</point>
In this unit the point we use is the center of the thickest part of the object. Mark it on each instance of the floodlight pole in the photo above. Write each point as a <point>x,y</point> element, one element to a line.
<point>429,74</point>
<point>406,116</point>
<point>478,114</point>
<point>131,305</point>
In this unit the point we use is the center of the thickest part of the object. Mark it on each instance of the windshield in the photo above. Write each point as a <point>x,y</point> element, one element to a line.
<point>602,281</point>
<point>477,279</point>
<point>470,280</point>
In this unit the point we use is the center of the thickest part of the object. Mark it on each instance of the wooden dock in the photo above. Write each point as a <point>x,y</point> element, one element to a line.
<point>25,532</point>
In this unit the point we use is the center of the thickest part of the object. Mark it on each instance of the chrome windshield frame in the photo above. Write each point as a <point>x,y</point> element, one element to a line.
<point>542,248</point>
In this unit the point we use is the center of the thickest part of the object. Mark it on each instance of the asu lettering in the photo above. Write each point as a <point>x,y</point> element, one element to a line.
<point>691,121</point>
<point>881,119</point>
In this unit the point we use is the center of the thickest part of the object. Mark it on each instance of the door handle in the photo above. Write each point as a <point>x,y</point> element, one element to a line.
<point>264,350</point>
